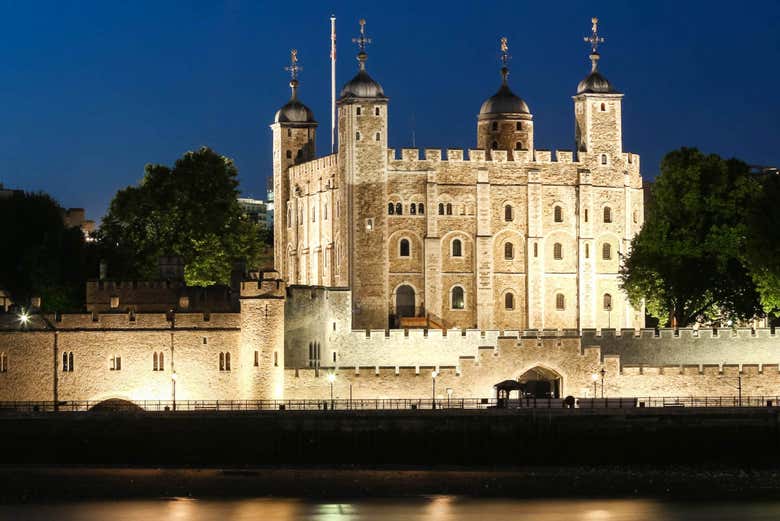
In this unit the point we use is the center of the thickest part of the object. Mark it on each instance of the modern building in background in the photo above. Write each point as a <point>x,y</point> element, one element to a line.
<point>256,210</point>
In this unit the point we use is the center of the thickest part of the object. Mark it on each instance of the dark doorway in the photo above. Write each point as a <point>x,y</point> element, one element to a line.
<point>404,301</point>
<point>540,382</point>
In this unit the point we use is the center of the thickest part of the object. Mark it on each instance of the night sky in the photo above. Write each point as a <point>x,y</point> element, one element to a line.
<point>92,91</point>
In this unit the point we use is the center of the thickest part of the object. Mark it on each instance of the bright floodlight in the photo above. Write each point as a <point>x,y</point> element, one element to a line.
<point>434,374</point>
<point>594,376</point>
<point>331,377</point>
<point>174,377</point>
<point>24,318</point>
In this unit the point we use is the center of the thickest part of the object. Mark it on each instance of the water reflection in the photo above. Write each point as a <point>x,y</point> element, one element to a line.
<point>435,508</point>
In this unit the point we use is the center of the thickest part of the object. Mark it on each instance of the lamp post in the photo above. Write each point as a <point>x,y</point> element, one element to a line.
<point>594,377</point>
<point>434,374</point>
<point>449,396</point>
<point>603,373</point>
<point>331,379</point>
<point>173,382</point>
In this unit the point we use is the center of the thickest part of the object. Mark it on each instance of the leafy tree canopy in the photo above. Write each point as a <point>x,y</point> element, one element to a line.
<point>41,256</point>
<point>762,254</point>
<point>687,263</point>
<point>189,211</point>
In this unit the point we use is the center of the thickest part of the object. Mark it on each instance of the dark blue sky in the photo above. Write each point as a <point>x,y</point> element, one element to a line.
<point>92,91</point>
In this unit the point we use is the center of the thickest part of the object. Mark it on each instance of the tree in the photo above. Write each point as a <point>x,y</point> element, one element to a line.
<point>687,262</point>
<point>762,252</point>
<point>189,211</point>
<point>41,256</point>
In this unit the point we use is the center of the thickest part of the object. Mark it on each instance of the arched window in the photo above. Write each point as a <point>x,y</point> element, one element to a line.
<point>399,209</point>
<point>603,159</point>
<point>154,362</point>
<point>603,107</point>
<point>519,145</point>
<point>557,251</point>
<point>314,214</point>
<point>606,251</point>
<point>519,126</point>
<point>403,248</point>
<point>560,302</point>
<point>376,111</point>
<point>508,213</point>
<point>636,217</point>
<point>509,251</point>
<point>494,145</point>
<point>70,362</point>
<point>325,211</point>
<point>64,361</point>
<point>587,250</point>
<point>449,208</point>
<point>607,214</point>
<point>390,209</point>
<point>494,126</point>
<point>458,300</point>
<point>289,154</point>
<point>376,137</point>
<point>420,208</point>
<point>509,301</point>
<point>222,361</point>
<point>586,215</point>
<point>227,361</point>
<point>162,361</point>
<point>357,136</point>
<point>289,132</point>
<point>607,302</point>
<point>441,208</point>
<point>558,214</point>
<point>413,209</point>
<point>457,248</point>
<point>3,363</point>
<point>358,111</point>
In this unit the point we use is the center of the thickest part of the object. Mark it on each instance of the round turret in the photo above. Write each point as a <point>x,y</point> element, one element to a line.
<point>505,121</point>
<point>595,82</point>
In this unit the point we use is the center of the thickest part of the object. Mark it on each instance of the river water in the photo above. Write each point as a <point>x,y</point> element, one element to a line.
<point>434,508</point>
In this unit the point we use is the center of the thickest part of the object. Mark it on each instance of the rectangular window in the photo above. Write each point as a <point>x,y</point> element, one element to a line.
<point>116,363</point>
<point>334,357</point>
<point>257,358</point>
<point>205,340</point>
<point>276,358</point>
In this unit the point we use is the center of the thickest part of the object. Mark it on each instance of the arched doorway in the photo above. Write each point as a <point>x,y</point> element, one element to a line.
<point>540,382</point>
<point>404,301</point>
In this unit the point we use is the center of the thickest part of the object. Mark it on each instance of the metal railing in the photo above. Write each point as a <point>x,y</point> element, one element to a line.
<point>388,404</point>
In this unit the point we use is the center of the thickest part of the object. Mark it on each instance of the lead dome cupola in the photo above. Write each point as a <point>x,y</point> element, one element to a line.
<point>362,85</point>
<point>504,101</point>
<point>595,82</point>
<point>294,111</point>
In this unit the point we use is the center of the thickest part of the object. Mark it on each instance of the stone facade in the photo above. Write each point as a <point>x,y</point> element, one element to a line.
<point>503,236</point>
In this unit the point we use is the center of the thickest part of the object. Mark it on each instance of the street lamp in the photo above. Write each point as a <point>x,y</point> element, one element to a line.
<point>434,374</point>
<point>603,372</point>
<point>449,396</point>
<point>331,379</point>
<point>173,381</point>
<point>24,318</point>
<point>595,378</point>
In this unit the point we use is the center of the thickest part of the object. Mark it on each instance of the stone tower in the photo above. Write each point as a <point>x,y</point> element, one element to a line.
<point>262,338</point>
<point>597,111</point>
<point>505,121</point>
<point>294,133</point>
<point>362,120</point>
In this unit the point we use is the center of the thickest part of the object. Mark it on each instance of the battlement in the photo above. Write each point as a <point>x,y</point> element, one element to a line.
<point>326,164</point>
<point>140,321</point>
<point>267,284</point>
<point>411,156</point>
<point>649,347</point>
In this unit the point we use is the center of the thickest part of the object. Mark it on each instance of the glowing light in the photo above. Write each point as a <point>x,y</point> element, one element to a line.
<point>24,318</point>
<point>434,374</point>
<point>594,377</point>
<point>174,377</point>
<point>331,377</point>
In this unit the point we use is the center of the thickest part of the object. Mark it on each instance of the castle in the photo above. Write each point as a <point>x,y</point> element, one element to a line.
<point>391,272</point>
